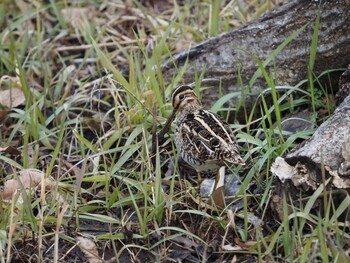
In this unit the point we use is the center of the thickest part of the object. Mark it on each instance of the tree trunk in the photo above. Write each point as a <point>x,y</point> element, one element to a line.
<point>325,155</point>
<point>223,57</point>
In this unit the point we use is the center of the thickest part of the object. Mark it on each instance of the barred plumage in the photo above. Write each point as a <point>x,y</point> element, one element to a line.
<point>202,138</point>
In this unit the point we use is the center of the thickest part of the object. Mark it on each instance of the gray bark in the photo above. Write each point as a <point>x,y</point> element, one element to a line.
<point>326,155</point>
<point>223,58</point>
<point>328,149</point>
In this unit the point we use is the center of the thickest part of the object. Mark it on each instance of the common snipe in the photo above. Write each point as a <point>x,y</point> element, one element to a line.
<point>203,139</point>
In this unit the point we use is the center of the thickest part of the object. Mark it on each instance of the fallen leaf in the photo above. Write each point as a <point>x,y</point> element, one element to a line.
<point>10,150</point>
<point>28,178</point>
<point>218,197</point>
<point>3,113</point>
<point>89,249</point>
<point>10,98</point>
<point>252,219</point>
<point>232,248</point>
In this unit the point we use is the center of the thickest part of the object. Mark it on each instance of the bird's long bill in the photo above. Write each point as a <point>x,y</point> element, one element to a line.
<point>167,125</point>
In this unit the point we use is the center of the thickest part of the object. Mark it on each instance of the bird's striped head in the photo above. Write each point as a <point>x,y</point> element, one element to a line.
<point>184,97</point>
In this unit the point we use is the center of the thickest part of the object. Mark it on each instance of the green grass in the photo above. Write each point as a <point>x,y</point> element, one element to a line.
<point>87,127</point>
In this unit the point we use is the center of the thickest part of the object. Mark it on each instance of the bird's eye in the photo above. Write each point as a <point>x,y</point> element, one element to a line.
<point>181,97</point>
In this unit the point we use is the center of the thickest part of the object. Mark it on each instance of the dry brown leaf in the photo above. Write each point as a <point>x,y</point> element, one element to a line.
<point>28,178</point>
<point>11,98</point>
<point>3,113</point>
<point>218,197</point>
<point>89,249</point>
<point>10,150</point>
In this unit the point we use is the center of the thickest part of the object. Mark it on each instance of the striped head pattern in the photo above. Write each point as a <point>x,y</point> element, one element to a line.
<point>184,97</point>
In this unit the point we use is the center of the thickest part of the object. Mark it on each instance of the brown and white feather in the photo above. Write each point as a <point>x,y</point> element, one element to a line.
<point>202,138</point>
